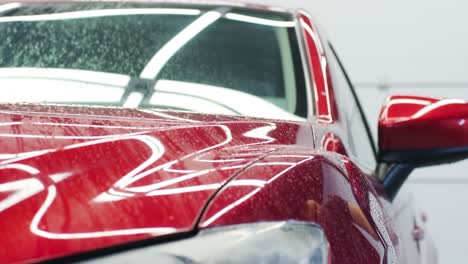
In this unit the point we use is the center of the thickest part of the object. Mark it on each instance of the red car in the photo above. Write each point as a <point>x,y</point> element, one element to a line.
<point>202,132</point>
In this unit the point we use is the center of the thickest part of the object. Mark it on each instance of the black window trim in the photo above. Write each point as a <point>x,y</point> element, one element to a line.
<point>358,103</point>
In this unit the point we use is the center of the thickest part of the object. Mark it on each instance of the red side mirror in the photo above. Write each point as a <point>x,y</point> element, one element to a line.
<point>423,131</point>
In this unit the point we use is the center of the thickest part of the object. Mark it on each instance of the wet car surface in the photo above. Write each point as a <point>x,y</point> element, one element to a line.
<point>193,133</point>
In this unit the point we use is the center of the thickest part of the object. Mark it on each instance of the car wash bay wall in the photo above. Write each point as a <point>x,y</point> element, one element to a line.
<point>409,47</point>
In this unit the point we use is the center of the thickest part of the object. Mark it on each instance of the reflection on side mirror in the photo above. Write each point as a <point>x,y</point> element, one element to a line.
<point>419,131</point>
<point>423,131</point>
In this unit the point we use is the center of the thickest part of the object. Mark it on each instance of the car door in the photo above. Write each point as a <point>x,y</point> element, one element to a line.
<point>340,119</point>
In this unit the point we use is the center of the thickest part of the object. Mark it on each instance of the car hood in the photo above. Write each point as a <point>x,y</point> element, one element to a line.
<point>74,179</point>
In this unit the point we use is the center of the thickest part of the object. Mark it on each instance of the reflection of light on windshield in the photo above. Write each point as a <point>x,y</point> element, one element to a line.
<point>37,91</point>
<point>160,59</point>
<point>187,101</point>
<point>133,100</point>
<point>104,78</point>
<point>259,21</point>
<point>101,13</point>
<point>60,85</point>
<point>217,100</point>
<point>7,7</point>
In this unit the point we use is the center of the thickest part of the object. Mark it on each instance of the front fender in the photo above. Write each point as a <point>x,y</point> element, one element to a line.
<point>314,186</point>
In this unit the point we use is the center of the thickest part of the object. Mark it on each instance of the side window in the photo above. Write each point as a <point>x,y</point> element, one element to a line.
<point>349,111</point>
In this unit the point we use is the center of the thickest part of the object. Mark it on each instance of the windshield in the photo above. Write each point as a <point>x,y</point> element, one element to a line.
<point>219,60</point>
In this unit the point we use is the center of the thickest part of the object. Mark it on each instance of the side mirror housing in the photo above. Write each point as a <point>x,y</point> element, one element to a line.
<point>419,131</point>
<point>423,131</point>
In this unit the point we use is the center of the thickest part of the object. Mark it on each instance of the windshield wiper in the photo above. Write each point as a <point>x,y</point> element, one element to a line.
<point>137,92</point>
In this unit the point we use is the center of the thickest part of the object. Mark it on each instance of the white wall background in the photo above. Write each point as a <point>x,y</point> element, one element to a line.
<point>412,47</point>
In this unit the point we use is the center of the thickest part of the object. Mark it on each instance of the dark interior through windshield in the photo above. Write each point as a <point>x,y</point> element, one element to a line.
<point>182,51</point>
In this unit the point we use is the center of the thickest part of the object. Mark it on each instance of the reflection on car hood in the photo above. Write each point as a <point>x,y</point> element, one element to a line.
<point>74,179</point>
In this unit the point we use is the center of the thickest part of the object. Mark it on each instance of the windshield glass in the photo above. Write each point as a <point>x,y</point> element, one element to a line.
<point>220,60</point>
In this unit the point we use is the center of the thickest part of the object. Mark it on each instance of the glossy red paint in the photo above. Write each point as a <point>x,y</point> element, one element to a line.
<point>319,71</point>
<point>310,185</point>
<point>332,143</point>
<point>75,179</point>
<point>99,177</point>
<point>418,123</point>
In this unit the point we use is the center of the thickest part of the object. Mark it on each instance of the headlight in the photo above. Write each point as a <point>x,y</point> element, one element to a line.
<point>265,243</point>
